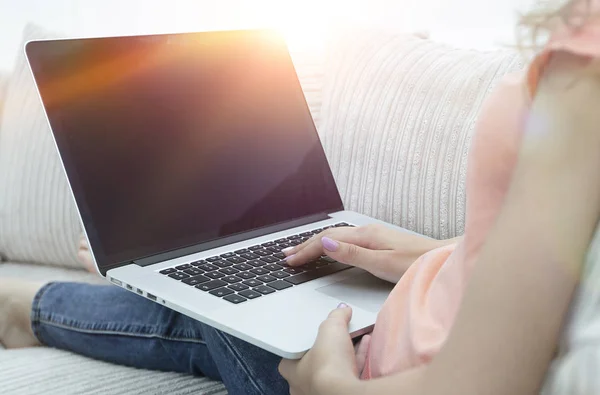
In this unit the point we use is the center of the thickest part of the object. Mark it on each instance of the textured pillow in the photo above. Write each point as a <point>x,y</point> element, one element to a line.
<point>38,218</point>
<point>38,221</point>
<point>397,118</point>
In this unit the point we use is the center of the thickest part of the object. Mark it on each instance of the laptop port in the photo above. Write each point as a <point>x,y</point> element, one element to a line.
<point>139,291</point>
<point>152,297</point>
<point>129,287</point>
<point>116,282</point>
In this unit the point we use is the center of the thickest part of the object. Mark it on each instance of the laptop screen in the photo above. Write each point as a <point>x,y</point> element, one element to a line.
<point>174,140</point>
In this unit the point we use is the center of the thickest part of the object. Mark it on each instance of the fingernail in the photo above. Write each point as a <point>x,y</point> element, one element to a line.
<point>287,249</point>
<point>330,244</point>
<point>342,305</point>
<point>287,258</point>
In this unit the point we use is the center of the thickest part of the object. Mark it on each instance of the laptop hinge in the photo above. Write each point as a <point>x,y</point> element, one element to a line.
<point>165,256</point>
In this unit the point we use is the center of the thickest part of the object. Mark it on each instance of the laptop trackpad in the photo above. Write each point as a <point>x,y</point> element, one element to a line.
<point>365,291</point>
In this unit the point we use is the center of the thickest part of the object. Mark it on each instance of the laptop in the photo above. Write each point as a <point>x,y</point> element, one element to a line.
<point>193,160</point>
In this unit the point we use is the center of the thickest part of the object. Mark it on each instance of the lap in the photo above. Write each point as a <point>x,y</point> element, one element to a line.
<point>111,324</point>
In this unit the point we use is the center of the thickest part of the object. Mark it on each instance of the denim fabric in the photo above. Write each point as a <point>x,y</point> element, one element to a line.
<point>113,325</point>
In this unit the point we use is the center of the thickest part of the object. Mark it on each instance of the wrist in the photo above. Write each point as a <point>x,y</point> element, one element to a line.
<point>352,387</point>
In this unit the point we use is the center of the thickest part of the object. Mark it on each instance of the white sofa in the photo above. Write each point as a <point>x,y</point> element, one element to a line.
<point>394,112</point>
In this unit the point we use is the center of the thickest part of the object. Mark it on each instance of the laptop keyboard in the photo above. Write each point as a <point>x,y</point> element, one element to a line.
<point>255,271</point>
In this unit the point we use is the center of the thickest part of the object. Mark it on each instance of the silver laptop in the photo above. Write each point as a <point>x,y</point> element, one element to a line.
<point>193,160</point>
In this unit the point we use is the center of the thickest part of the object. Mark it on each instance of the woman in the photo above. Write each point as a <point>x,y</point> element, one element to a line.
<point>533,197</point>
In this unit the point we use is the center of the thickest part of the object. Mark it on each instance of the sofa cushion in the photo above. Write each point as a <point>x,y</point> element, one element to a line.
<point>38,218</point>
<point>45,273</point>
<point>38,222</point>
<point>397,117</point>
<point>53,372</point>
<point>3,85</point>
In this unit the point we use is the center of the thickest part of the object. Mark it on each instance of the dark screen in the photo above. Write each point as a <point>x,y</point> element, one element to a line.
<point>175,140</point>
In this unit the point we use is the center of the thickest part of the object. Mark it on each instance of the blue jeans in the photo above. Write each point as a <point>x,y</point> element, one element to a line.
<point>113,325</point>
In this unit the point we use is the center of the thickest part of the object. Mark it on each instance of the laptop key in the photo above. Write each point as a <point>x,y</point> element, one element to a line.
<point>254,248</point>
<point>238,287</point>
<point>229,271</point>
<point>268,244</point>
<point>168,271</point>
<point>243,267</point>
<point>256,263</point>
<point>279,241</point>
<point>328,259</point>
<point>251,294</point>
<point>269,259</point>
<point>273,250</point>
<point>310,266</point>
<point>242,251</point>
<point>280,274</point>
<point>235,299</point>
<point>228,255</point>
<point>301,278</point>
<point>236,259</point>
<point>215,275</point>
<point>279,255</point>
<point>263,289</point>
<point>260,271</point>
<point>209,286</point>
<point>279,285</point>
<point>246,275</point>
<point>264,252</point>
<point>183,267</point>
<point>250,256</point>
<point>283,246</point>
<point>193,281</point>
<point>213,259</point>
<point>313,275</point>
<point>252,283</point>
<point>223,263</point>
<point>293,270</point>
<point>193,271</point>
<point>232,279</point>
<point>294,237</point>
<point>273,268</point>
<point>266,279</point>
<point>306,234</point>
<point>198,263</point>
<point>179,275</point>
<point>208,267</point>
<point>221,292</point>
<point>321,263</point>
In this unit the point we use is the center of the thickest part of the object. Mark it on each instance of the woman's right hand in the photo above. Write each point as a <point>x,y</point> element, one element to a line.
<point>378,249</point>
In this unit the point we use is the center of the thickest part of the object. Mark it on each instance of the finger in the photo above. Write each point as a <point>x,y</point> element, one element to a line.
<point>336,323</point>
<point>361,352</point>
<point>333,232</point>
<point>354,255</point>
<point>313,248</point>
<point>287,369</point>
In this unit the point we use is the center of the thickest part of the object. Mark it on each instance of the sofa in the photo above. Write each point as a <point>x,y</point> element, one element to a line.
<point>395,113</point>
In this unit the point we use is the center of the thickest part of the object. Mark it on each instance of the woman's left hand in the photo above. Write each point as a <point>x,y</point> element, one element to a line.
<point>330,367</point>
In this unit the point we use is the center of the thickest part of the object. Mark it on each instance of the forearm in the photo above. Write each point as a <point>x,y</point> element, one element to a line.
<point>506,332</point>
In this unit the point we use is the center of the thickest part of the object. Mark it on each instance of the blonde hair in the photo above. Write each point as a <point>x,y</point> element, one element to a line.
<point>536,26</point>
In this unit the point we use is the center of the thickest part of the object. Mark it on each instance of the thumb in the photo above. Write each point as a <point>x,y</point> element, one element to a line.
<point>343,314</point>
<point>337,321</point>
<point>350,254</point>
